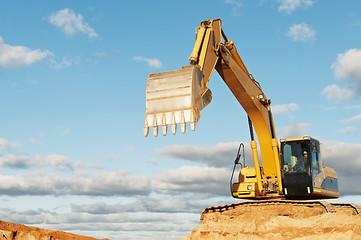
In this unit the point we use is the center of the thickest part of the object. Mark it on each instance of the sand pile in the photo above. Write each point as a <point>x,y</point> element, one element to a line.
<point>13,231</point>
<point>279,222</point>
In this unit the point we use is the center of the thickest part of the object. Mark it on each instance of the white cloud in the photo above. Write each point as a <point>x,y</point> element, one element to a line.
<point>193,179</point>
<point>184,203</point>
<point>357,107</point>
<point>24,161</point>
<point>99,184</point>
<point>235,3</point>
<point>220,155</point>
<point>59,162</point>
<point>348,65</point>
<point>64,63</point>
<point>108,158</point>
<point>79,164</point>
<point>101,54</point>
<point>236,6</point>
<point>34,140</point>
<point>345,159</point>
<point>151,161</point>
<point>16,161</point>
<point>349,131</point>
<point>284,108</point>
<point>335,92</point>
<point>151,62</point>
<point>6,145</point>
<point>52,161</point>
<point>301,33</point>
<point>289,6</point>
<point>63,130</point>
<point>293,131</point>
<point>19,56</point>
<point>353,119</point>
<point>118,225</point>
<point>71,23</point>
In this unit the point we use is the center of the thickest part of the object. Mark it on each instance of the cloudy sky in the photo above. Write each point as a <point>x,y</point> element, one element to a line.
<point>72,90</point>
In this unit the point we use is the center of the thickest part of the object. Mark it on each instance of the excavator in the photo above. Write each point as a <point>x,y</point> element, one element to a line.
<point>289,170</point>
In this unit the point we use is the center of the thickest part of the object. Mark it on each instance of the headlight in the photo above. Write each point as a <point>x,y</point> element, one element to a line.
<point>249,187</point>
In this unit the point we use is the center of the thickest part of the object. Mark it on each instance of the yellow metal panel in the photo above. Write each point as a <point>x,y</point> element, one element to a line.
<point>246,92</point>
<point>207,56</point>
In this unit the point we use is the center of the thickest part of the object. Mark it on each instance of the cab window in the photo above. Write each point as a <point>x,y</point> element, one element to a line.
<point>315,159</point>
<point>295,157</point>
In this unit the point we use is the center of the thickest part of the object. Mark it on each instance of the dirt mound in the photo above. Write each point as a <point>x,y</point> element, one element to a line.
<point>15,231</point>
<point>279,222</point>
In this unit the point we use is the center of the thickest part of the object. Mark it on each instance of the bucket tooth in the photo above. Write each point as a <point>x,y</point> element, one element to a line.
<point>146,128</point>
<point>164,130</point>
<point>155,131</point>
<point>183,123</point>
<point>183,127</point>
<point>174,124</point>
<point>193,124</point>
<point>164,125</point>
<point>174,129</point>
<point>155,126</point>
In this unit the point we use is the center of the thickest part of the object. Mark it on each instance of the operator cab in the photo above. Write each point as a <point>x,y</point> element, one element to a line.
<point>303,175</point>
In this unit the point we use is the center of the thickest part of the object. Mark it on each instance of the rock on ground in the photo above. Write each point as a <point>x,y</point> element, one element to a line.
<point>14,231</point>
<point>279,222</point>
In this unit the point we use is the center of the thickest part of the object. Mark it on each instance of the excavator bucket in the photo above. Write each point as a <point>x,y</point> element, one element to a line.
<point>175,97</point>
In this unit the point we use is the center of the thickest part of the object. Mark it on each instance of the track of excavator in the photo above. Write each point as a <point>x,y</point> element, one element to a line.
<point>326,206</point>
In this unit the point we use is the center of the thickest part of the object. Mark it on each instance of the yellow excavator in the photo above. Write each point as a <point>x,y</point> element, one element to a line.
<point>292,169</point>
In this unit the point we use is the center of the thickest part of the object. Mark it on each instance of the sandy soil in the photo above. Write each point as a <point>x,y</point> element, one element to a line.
<point>279,222</point>
<point>15,231</point>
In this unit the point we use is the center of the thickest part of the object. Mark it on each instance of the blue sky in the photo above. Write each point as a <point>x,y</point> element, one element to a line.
<point>72,90</point>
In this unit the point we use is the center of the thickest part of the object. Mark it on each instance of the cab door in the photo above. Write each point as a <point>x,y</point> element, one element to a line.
<point>315,160</point>
<point>296,169</point>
